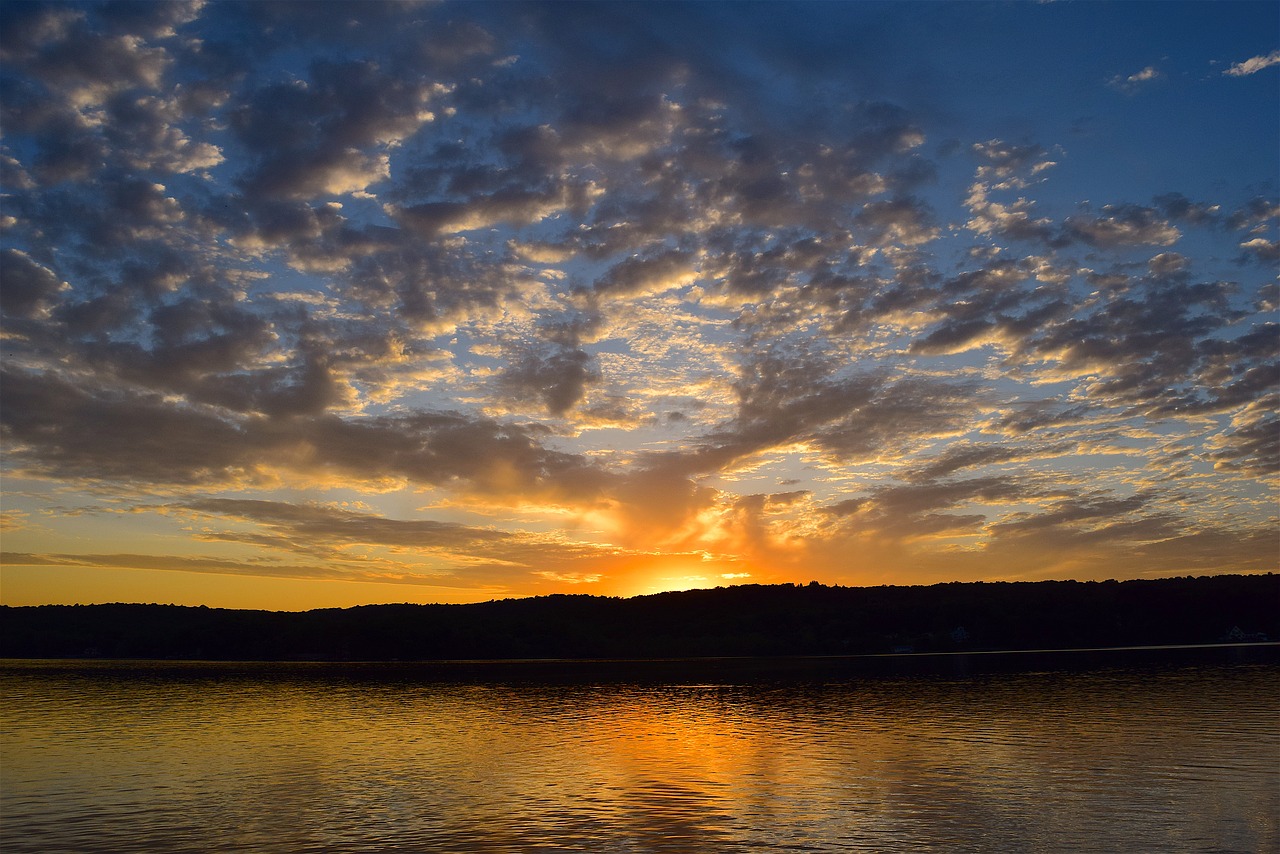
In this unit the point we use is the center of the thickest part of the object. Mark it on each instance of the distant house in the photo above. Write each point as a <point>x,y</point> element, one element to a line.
<point>1238,635</point>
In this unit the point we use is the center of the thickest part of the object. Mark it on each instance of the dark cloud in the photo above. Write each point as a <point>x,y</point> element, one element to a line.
<point>993,304</point>
<point>511,206</point>
<point>1122,225</point>
<point>1253,213</point>
<point>179,563</point>
<point>928,509</point>
<point>902,221</point>
<point>1142,345</point>
<point>648,275</point>
<point>327,135</point>
<point>1252,444</point>
<point>60,430</point>
<point>316,528</point>
<point>1034,415</point>
<point>1004,167</point>
<point>961,456</point>
<point>1261,250</point>
<point>1089,520</point>
<point>558,378</point>
<point>1179,208</point>
<point>29,288</point>
<point>64,431</point>
<point>1004,163</point>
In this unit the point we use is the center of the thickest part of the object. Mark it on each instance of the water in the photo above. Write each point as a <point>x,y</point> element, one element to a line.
<point>166,757</point>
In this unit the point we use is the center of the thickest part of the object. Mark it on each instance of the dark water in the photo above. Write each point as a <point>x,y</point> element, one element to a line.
<point>166,757</point>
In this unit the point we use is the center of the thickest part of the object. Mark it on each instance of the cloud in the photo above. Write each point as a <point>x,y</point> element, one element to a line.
<point>961,456</point>
<point>903,221</point>
<point>148,129</point>
<point>1004,166</point>
<point>1252,444</point>
<point>1133,82</point>
<point>322,529</point>
<point>1261,249</point>
<point>987,306</point>
<point>559,377</point>
<point>29,288</point>
<point>1069,521</point>
<point>1181,209</point>
<point>1122,225</point>
<point>1013,220</point>
<point>1139,346</point>
<point>516,205</point>
<point>178,563</point>
<point>1035,415</point>
<point>328,135</point>
<point>1253,65</point>
<point>66,432</point>
<point>646,276</point>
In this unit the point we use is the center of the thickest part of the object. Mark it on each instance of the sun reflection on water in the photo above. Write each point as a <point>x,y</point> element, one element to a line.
<point>310,758</point>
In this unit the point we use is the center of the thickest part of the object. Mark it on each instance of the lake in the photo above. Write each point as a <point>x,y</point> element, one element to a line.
<point>1166,753</point>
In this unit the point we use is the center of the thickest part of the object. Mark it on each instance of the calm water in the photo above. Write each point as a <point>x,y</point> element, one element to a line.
<point>212,757</point>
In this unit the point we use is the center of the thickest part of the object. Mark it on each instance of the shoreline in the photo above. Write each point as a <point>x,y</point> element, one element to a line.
<point>707,671</point>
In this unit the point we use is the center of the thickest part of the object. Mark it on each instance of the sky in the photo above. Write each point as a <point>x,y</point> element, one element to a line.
<point>326,304</point>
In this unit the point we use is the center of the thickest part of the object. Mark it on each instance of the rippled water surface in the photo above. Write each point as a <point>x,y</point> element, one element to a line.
<point>164,757</point>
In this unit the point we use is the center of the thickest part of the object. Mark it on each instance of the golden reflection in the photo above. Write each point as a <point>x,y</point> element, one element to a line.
<point>379,757</point>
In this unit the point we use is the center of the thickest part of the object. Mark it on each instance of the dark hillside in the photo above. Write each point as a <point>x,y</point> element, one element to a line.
<point>750,620</point>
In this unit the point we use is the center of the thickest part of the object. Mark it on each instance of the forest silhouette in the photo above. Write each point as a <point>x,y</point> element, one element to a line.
<point>746,620</point>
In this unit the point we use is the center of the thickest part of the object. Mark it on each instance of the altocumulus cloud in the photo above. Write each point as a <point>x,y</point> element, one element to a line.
<point>507,298</point>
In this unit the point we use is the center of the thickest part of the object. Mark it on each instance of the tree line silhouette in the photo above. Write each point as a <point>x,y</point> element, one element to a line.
<point>746,620</point>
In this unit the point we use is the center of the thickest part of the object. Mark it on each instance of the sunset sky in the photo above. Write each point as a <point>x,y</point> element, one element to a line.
<point>331,304</point>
